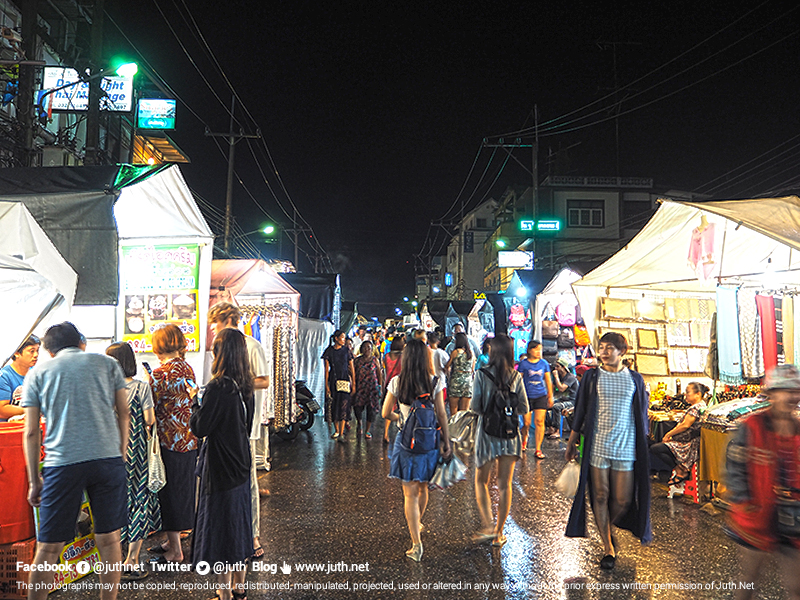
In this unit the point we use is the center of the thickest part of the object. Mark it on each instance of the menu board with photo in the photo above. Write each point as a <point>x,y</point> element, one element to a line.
<point>158,286</point>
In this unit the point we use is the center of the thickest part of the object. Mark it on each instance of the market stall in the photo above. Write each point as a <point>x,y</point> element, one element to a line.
<point>519,299</point>
<point>137,241</point>
<point>722,270</point>
<point>270,314</point>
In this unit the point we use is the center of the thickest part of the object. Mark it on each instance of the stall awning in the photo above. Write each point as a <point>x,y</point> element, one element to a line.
<point>159,147</point>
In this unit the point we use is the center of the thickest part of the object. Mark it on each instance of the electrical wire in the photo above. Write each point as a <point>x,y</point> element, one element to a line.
<point>553,124</point>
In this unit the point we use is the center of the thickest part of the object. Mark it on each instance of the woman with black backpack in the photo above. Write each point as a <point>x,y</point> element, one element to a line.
<point>499,398</point>
<point>416,447</point>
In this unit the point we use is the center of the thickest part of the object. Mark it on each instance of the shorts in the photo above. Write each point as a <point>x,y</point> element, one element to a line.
<point>539,403</point>
<point>104,481</point>
<point>601,462</point>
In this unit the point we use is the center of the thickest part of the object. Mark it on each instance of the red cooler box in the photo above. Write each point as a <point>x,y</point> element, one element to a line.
<point>16,518</point>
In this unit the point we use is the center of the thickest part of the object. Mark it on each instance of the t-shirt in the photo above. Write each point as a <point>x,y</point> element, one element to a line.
<point>533,376</point>
<point>76,393</point>
<point>10,380</point>
<point>615,429</point>
<point>258,365</point>
<point>572,384</point>
<point>406,408</point>
<point>440,359</point>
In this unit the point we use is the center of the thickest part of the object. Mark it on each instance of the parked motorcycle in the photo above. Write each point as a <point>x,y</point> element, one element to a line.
<point>304,419</point>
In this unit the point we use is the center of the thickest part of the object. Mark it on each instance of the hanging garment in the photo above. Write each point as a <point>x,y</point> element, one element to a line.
<point>255,327</point>
<point>796,311</point>
<point>779,329</point>
<point>728,348</point>
<point>712,360</point>
<point>769,342</point>
<point>701,251</point>
<point>750,334</point>
<point>788,329</point>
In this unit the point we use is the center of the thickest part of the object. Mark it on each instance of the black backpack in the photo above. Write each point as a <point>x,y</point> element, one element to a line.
<point>501,418</point>
<point>420,433</point>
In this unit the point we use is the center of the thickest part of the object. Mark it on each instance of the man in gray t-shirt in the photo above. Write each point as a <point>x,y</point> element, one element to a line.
<point>84,401</point>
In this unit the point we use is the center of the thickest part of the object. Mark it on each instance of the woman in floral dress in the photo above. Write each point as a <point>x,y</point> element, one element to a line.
<point>680,447</point>
<point>459,389</point>
<point>369,382</point>
<point>171,383</point>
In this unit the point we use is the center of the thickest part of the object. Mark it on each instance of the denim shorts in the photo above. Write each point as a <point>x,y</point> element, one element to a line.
<point>601,462</point>
<point>105,483</point>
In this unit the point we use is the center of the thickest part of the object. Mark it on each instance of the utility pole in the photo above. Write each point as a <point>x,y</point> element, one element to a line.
<point>617,100</point>
<point>232,138</point>
<point>92,152</point>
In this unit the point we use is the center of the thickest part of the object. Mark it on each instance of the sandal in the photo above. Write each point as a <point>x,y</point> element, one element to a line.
<point>677,480</point>
<point>159,548</point>
<point>480,537</point>
<point>500,541</point>
<point>368,436</point>
<point>607,562</point>
<point>258,553</point>
<point>539,454</point>
<point>239,595</point>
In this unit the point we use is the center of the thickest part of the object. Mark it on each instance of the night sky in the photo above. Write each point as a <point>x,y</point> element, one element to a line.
<point>375,111</point>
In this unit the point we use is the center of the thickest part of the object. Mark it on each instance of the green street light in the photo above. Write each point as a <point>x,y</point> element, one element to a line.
<point>127,69</point>
<point>269,229</point>
<point>501,243</point>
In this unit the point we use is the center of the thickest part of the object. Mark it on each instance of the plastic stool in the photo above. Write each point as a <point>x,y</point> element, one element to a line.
<point>688,488</point>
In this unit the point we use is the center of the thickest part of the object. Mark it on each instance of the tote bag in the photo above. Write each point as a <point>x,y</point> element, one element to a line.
<point>156,474</point>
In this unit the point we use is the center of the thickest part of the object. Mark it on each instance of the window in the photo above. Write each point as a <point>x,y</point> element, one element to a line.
<point>481,223</point>
<point>586,213</point>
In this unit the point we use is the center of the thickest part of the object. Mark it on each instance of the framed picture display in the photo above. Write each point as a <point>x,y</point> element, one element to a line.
<point>652,364</point>
<point>647,339</point>
<point>615,308</point>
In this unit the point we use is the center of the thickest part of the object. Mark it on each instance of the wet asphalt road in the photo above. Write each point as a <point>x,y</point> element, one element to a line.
<point>333,503</point>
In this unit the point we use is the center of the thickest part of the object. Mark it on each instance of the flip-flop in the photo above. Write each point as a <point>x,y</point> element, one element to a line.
<point>368,436</point>
<point>133,574</point>
<point>539,454</point>
<point>158,549</point>
<point>499,542</point>
<point>258,553</point>
<point>607,562</point>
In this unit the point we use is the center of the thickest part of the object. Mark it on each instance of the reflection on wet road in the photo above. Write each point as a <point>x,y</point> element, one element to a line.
<point>332,507</point>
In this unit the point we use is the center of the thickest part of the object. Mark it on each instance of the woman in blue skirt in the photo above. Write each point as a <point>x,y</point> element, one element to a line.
<point>223,530</point>
<point>415,469</point>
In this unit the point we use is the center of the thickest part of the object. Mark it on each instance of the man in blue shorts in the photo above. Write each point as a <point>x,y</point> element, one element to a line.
<point>84,400</point>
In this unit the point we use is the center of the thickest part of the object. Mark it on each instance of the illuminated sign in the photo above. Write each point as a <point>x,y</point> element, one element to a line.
<point>478,295</point>
<point>549,226</point>
<point>526,225</point>
<point>155,113</point>
<point>118,91</point>
<point>448,279</point>
<point>159,286</point>
<point>515,260</point>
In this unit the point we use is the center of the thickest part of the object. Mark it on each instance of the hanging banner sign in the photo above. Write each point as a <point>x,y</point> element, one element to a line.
<point>118,91</point>
<point>159,286</point>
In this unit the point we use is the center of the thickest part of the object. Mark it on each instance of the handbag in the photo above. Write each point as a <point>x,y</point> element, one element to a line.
<point>549,329</point>
<point>343,385</point>
<point>448,473</point>
<point>567,482</point>
<point>156,474</point>
<point>788,510</point>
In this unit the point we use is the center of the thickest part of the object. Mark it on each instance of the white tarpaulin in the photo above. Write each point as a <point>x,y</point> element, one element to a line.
<point>25,240</point>
<point>26,298</point>
<point>685,250</point>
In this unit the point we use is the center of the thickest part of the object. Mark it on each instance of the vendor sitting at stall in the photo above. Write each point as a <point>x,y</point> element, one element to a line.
<point>566,385</point>
<point>680,447</point>
<point>13,375</point>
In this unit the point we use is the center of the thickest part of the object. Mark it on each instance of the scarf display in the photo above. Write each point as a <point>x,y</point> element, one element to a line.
<point>769,339</point>
<point>750,332</point>
<point>779,329</point>
<point>728,348</point>
<point>788,329</point>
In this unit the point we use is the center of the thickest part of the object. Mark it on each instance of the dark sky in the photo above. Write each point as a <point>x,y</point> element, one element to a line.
<point>374,111</point>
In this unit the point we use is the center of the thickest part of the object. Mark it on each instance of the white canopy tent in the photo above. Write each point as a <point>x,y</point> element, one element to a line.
<point>27,298</point>
<point>755,243</point>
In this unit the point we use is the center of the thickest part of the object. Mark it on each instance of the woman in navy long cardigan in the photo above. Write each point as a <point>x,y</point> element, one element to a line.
<point>616,463</point>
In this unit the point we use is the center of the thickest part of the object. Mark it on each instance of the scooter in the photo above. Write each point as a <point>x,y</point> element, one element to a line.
<point>307,408</point>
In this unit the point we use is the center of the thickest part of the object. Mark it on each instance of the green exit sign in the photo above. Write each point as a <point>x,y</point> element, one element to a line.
<point>526,225</point>
<point>549,226</point>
